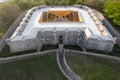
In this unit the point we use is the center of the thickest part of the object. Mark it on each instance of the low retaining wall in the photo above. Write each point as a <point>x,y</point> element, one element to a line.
<point>20,57</point>
<point>94,54</point>
<point>13,58</point>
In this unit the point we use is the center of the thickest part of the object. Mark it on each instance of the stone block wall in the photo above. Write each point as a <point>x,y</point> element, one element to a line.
<point>39,41</point>
<point>104,45</point>
<point>28,44</point>
<point>48,37</point>
<point>70,37</point>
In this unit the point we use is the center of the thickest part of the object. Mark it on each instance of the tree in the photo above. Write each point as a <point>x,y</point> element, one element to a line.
<point>112,10</point>
<point>96,4</point>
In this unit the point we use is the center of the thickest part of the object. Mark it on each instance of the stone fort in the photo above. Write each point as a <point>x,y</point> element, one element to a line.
<point>71,25</point>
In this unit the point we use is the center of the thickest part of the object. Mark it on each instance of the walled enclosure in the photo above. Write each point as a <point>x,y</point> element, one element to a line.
<point>82,37</point>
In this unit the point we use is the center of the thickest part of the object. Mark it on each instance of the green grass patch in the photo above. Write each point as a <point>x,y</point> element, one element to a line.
<point>38,68</point>
<point>6,52</point>
<point>94,68</point>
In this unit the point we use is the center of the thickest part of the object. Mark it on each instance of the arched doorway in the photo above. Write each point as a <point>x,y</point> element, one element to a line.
<point>60,39</point>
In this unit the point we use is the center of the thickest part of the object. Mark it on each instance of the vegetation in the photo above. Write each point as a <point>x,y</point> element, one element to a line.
<point>39,68</point>
<point>27,4</point>
<point>113,12</point>
<point>93,68</point>
<point>45,67</point>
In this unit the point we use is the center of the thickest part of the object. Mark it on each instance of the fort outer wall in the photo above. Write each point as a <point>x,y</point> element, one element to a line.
<point>52,38</point>
<point>45,38</point>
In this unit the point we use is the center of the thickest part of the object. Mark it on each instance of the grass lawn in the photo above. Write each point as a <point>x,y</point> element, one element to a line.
<point>93,68</point>
<point>38,68</point>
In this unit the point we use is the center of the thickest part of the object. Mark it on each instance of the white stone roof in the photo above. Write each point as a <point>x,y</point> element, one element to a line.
<point>30,25</point>
<point>4,1</point>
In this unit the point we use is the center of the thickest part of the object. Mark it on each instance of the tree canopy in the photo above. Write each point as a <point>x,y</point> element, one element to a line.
<point>112,11</point>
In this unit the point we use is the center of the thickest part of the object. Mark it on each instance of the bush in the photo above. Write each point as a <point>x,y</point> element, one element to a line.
<point>112,11</point>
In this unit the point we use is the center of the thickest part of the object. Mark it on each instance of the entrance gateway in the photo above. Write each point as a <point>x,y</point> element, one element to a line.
<point>61,45</point>
<point>60,39</point>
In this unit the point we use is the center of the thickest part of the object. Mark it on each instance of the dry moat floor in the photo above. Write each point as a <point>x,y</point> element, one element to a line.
<point>93,68</point>
<point>45,67</point>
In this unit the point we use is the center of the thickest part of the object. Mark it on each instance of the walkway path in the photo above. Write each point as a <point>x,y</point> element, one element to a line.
<point>65,68</point>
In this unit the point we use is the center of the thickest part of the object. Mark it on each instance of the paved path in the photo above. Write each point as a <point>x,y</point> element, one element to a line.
<point>71,75</point>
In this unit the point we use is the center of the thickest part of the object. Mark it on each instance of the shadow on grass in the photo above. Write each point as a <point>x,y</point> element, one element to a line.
<point>6,52</point>
<point>73,47</point>
<point>49,47</point>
